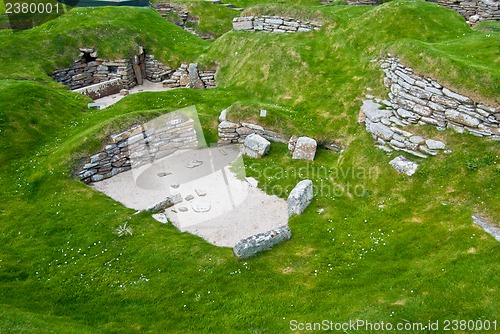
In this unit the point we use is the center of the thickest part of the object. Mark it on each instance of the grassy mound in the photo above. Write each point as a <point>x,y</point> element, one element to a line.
<point>32,114</point>
<point>115,31</point>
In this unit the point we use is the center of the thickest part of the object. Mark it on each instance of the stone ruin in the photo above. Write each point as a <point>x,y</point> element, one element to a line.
<point>97,77</point>
<point>138,146</point>
<point>274,24</point>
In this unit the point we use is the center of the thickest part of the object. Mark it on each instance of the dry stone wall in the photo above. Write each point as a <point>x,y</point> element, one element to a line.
<point>275,24</point>
<point>92,70</point>
<point>417,99</point>
<point>95,91</point>
<point>474,10</point>
<point>156,71</point>
<point>231,133</point>
<point>97,77</point>
<point>140,145</point>
<point>414,99</point>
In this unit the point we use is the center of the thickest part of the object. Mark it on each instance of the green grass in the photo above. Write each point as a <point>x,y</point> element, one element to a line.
<point>386,248</point>
<point>115,32</point>
<point>214,20</point>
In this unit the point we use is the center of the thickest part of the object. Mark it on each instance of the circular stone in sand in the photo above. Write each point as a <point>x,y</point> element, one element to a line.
<point>201,207</point>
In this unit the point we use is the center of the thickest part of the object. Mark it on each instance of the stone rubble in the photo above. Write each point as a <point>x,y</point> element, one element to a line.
<point>231,133</point>
<point>273,24</point>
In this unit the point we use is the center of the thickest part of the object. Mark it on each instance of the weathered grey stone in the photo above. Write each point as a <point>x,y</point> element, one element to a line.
<point>461,118</point>
<point>404,165</point>
<point>405,77</point>
<point>300,197</point>
<point>422,110</point>
<point>372,111</point>
<point>244,131</point>
<point>223,115</point>
<point>194,77</point>
<point>305,148</point>
<point>167,203</point>
<point>380,130</point>
<point>426,150</point>
<point>200,192</point>
<point>228,125</point>
<point>442,100</point>
<point>432,121</point>
<point>453,95</point>
<point>401,132</point>
<point>397,144</point>
<point>436,106</point>
<point>384,148</point>
<point>97,157</point>
<point>433,90</point>
<point>260,242</point>
<point>201,207</point>
<point>489,228</point>
<point>435,144</point>
<point>256,146</point>
<point>417,139</point>
<point>254,127</point>
<point>291,143</point>
<point>407,114</point>
<point>276,21</point>
<point>242,25</point>
<point>457,127</point>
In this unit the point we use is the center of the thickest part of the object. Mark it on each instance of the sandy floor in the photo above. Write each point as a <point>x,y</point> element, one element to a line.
<point>147,86</point>
<point>219,203</point>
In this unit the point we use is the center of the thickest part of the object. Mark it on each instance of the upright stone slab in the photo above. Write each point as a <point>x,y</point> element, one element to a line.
<point>260,242</point>
<point>300,197</point>
<point>167,203</point>
<point>404,165</point>
<point>194,77</point>
<point>305,148</point>
<point>256,146</point>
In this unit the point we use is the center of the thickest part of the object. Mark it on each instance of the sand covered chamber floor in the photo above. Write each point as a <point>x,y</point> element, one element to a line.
<point>219,203</point>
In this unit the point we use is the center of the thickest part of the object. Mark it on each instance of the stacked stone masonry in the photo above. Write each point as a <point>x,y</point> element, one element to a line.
<point>474,10</point>
<point>155,70</point>
<point>230,133</point>
<point>275,24</point>
<point>89,70</point>
<point>92,71</point>
<point>419,100</point>
<point>140,145</point>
